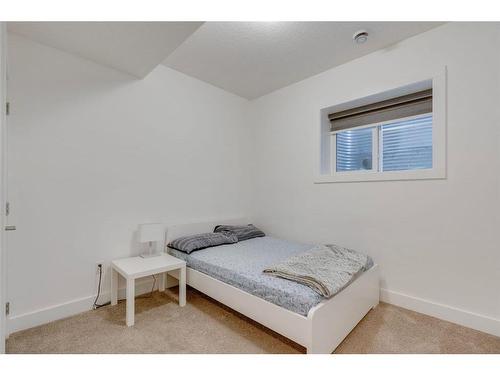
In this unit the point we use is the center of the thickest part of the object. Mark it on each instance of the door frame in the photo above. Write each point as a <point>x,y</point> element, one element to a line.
<point>3,169</point>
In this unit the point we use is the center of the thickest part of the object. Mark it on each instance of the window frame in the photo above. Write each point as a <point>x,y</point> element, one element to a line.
<point>326,163</point>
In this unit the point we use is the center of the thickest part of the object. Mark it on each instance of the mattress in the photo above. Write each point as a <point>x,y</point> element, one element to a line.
<point>241,265</point>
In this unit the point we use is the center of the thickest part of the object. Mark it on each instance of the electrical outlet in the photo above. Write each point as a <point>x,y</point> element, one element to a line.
<point>101,265</point>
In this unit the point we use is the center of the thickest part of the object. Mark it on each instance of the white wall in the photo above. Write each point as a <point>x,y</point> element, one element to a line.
<point>93,153</point>
<point>436,240</point>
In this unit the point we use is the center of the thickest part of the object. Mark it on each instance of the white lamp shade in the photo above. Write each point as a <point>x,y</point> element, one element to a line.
<point>151,232</point>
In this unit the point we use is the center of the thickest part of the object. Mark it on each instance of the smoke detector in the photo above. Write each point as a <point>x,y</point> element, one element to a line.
<point>360,36</point>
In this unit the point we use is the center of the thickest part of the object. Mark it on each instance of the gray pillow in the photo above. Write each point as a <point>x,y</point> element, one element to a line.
<point>243,232</point>
<point>200,241</point>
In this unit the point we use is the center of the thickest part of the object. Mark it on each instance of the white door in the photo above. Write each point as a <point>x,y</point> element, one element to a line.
<point>3,266</point>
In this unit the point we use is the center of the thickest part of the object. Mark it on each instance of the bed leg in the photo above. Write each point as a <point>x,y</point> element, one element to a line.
<point>312,351</point>
<point>317,349</point>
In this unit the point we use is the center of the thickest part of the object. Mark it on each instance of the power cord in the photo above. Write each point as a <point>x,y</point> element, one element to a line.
<point>95,305</point>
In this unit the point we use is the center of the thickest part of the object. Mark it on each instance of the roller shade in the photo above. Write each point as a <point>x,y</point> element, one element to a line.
<point>392,109</point>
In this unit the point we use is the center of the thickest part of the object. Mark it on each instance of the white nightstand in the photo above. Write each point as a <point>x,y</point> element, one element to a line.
<point>136,267</point>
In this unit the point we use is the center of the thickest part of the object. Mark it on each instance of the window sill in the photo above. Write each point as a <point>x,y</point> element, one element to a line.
<point>429,174</point>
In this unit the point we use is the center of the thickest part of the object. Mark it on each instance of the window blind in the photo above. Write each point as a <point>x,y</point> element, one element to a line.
<point>392,109</point>
<point>354,150</point>
<point>407,144</point>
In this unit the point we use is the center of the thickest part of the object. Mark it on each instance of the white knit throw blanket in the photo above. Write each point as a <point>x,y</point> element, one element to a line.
<point>327,269</point>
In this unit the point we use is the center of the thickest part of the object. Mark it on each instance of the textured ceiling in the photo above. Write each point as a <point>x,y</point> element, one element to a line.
<point>249,59</point>
<point>132,47</point>
<point>254,58</point>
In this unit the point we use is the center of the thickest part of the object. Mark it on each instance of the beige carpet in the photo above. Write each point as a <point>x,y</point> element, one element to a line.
<point>205,326</point>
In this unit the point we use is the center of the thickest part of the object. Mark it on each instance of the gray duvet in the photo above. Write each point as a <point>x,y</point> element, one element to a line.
<point>242,264</point>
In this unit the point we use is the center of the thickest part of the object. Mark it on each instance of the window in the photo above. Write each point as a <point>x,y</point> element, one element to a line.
<point>354,150</point>
<point>404,144</point>
<point>399,134</point>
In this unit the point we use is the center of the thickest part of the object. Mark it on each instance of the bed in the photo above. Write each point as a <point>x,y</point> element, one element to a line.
<point>232,275</point>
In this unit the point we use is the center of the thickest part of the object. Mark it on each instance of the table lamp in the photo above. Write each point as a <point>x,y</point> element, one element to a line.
<point>152,232</point>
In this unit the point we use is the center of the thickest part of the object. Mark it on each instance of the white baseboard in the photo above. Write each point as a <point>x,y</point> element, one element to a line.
<point>67,309</point>
<point>452,314</point>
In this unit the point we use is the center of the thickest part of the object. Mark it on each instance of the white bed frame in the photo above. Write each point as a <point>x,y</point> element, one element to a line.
<point>326,325</point>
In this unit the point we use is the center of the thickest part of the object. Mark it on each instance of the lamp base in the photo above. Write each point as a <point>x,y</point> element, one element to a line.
<point>150,255</point>
<point>151,251</point>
